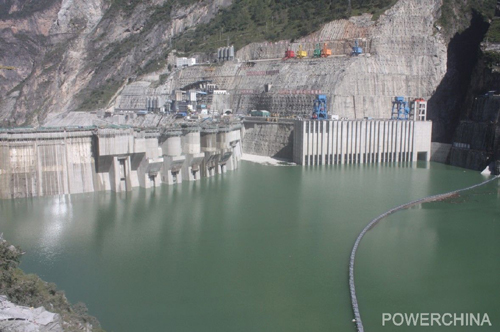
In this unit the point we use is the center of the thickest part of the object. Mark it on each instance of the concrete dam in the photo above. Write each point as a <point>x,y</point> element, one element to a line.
<point>327,142</point>
<point>359,142</point>
<point>55,161</point>
<point>39,162</point>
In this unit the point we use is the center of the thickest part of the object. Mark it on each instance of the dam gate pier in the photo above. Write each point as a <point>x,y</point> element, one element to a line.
<point>56,161</point>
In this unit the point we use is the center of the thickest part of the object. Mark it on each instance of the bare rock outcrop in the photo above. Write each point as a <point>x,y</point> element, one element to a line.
<point>77,51</point>
<point>14,318</point>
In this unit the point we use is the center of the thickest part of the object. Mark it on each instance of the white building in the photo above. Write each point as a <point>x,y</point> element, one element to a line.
<point>185,62</point>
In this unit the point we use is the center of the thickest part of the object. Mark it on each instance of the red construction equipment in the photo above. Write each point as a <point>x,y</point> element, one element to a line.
<point>289,54</point>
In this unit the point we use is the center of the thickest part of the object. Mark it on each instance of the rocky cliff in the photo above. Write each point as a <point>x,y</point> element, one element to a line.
<point>21,293</point>
<point>76,54</point>
<point>476,141</point>
<point>73,55</point>
<point>404,55</point>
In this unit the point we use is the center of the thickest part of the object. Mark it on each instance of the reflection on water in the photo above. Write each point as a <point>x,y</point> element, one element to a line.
<point>263,248</point>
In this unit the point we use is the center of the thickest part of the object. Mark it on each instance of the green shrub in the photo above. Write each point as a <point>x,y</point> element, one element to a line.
<point>493,34</point>
<point>247,21</point>
<point>31,291</point>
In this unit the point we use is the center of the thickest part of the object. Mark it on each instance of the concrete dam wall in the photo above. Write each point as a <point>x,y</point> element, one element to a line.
<point>326,142</point>
<point>54,162</point>
<point>355,142</point>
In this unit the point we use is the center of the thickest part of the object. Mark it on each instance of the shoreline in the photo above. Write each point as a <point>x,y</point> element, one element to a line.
<point>265,160</point>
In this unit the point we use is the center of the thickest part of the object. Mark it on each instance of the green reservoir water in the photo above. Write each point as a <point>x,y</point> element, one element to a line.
<point>267,249</point>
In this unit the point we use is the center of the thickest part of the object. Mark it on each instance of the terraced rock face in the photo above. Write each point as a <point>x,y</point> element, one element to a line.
<point>72,55</point>
<point>404,56</point>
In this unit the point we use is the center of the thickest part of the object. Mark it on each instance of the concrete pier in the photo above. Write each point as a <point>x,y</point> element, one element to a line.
<point>191,148</point>
<point>172,154</point>
<point>360,141</point>
<point>212,154</point>
<point>55,161</point>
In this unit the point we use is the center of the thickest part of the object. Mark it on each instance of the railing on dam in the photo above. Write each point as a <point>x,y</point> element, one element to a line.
<point>259,119</point>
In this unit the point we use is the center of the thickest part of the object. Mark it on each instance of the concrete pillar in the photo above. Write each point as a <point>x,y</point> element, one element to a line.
<point>211,154</point>
<point>235,146</point>
<point>325,132</point>
<point>362,143</point>
<point>224,148</point>
<point>338,143</point>
<point>173,160</point>
<point>344,142</point>
<point>191,148</point>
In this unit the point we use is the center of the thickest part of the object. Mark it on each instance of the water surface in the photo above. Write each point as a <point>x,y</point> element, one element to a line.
<point>267,249</point>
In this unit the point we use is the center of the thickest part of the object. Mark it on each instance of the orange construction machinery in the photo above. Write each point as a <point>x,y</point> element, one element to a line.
<point>325,52</point>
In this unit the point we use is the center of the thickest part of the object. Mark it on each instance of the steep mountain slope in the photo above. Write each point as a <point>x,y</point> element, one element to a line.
<point>403,56</point>
<point>476,142</point>
<point>76,54</point>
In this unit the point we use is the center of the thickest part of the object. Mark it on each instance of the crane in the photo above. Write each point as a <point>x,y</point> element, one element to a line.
<point>356,50</point>
<point>400,109</point>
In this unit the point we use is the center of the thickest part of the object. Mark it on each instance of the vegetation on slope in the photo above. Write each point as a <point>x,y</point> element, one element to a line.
<point>29,290</point>
<point>456,14</point>
<point>247,21</point>
<point>243,22</point>
<point>493,35</point>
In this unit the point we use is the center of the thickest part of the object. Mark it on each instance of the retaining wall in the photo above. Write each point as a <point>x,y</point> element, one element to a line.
<point>269,139</point>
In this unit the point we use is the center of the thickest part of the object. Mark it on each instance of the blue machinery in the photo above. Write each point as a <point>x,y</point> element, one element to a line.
<point>356,50</point>
<point>319,110</point>
<point>400,109</point>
